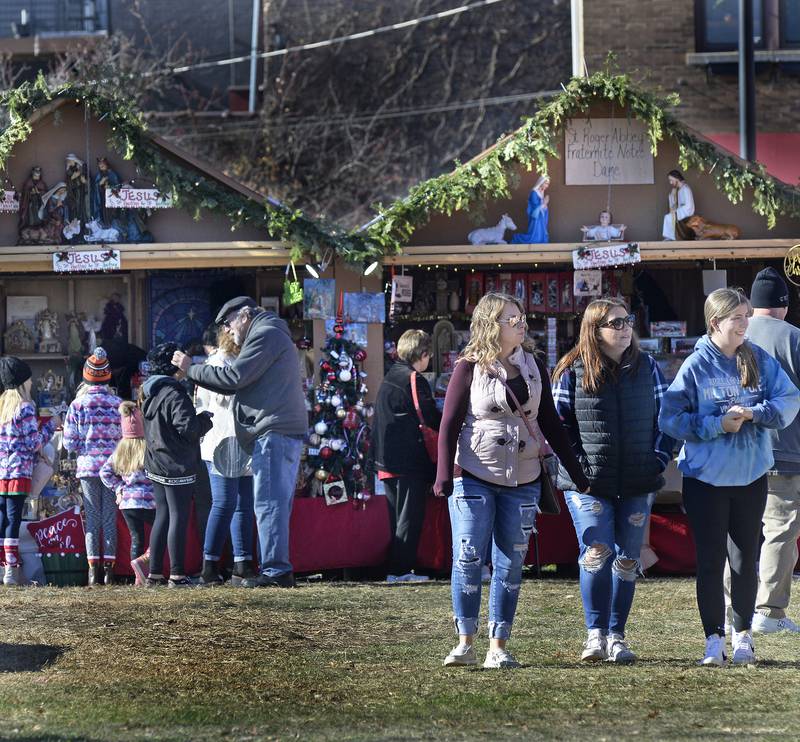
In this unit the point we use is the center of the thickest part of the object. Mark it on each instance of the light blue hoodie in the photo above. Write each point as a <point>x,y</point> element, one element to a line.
<point>706,387</point>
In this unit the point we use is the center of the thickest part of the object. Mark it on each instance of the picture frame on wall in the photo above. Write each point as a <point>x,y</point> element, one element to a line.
<point>552,293</point>
<point>565,292</point>
<point>520,289</point>
<point>536,292</point>
<point>271,303</point>
<point>473,291</point>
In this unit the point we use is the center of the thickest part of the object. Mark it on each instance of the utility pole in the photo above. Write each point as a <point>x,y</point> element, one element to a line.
<point>576,22</point>
<point>747,82</point>
<point>254,56</point>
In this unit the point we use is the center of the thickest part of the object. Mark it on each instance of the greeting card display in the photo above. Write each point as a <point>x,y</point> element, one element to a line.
<point>520,289</point>
<point>565,303</point>
<point>552,293</point>
<point>491,283</point>
<point>505,283</point>
<point>473,291</point>
<point>536,292</point>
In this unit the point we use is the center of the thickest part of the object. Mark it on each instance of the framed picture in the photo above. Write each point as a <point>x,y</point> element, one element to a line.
<point>682,346</point>
<point>335,493</point>
<point>365,307</point>
<point>536,292</point>
<point>520,289</point>
<point>355,332</point>
<point>565,301</point>
<point>552,293</point>
<point>473,291</point>
<point>319,298</point>
<point>491,282</point>
<point>272,303</point>
<point>668,329</point>
<point>650,345</point>
<point>505,283</point>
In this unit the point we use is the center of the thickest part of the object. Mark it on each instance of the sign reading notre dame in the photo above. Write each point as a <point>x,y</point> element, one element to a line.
<point>603,151</point>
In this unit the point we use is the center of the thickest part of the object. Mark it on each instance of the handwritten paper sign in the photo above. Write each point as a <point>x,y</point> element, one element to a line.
<point>603,151</point>
<point>79,261</point>
<point>10,203</point>
<point>137,198</point>
<point>610,255</point>
<point>59,534</point>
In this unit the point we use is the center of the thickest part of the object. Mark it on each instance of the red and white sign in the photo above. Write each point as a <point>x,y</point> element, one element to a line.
<point>79,261</point>
<point>607,256</point>
<point>9,203</point>
<point>137,198</point>
<point>59,534</point>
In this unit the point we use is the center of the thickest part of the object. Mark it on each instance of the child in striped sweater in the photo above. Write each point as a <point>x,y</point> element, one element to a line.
<point>123,474</point>
<point>91,430</point>
<point>20,439</point>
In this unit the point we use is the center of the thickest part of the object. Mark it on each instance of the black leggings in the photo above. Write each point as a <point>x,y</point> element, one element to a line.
<point>407,499</point>
<point>169,528</point>
<point>135,518</point>
<point>726,523</point>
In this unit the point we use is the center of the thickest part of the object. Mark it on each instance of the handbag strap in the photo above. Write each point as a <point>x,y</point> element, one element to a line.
<point>294,272</point>
<point>416,398</point>
<point>536,435</point>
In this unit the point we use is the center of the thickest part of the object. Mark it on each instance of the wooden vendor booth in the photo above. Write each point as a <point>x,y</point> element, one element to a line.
<point>578,205</point>
<point>111,235</point>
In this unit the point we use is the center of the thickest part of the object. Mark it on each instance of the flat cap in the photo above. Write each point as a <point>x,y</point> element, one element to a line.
<point>234,305</point>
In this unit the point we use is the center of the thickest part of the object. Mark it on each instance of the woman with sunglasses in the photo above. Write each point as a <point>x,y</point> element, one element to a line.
<point>724,401</point>
<point>608,395</point>
<point>489,462</point>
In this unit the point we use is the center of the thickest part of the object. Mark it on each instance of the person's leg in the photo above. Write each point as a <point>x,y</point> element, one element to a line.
<point>630,518</point>
<point>179,500</point>
<point>514,522</point>
<point>135,523</point>
<point>276,459</point>
<point>392,488</point>
<point>14,508</point>
<point>3,526</point>
<point>241,528</point>
<point>593,518</point>
<point>707,508</point>
<point>747,507</point>
<point>108,519</point>
<point>92,509</point>
<point>202,499</point>
<point>471,509</point>
<point>779,551</point>
<point>158,535</point>
<point>223,504</point>
<point>412,495</point>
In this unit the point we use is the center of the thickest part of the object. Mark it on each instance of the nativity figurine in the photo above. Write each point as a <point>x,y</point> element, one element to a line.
<point>538,215</point>
<point>605,231</point>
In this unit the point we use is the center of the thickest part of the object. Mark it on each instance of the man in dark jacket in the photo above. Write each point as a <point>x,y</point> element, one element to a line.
<point>271,421</point>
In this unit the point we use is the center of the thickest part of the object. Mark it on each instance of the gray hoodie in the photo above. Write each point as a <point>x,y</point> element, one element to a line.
<point>782,341</point>
<point>265,382</point>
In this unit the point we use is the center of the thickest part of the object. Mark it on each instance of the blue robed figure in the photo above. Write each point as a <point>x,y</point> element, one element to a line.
<point>538,214</point>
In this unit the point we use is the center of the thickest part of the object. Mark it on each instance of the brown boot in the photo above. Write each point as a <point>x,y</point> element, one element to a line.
<point>108,573</point>
<point>95,574</point>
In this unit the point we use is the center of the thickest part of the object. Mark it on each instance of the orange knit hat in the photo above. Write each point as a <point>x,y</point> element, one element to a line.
<point>97,369</point>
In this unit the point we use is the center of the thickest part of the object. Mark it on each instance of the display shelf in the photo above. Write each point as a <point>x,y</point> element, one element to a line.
<point>39,356</point>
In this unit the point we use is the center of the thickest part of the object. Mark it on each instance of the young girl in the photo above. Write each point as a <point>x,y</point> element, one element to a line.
<point>91,430</point>
<point>608,395</point>
<point>123,474</point>
<point>20,439</point>
<point>724,401</point>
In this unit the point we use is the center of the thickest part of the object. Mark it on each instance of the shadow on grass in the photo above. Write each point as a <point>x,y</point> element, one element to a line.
<point>28,657</point>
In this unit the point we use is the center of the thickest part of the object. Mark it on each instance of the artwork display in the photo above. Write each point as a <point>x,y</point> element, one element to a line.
<point>473,291</point>
<point>552,293</point>
<point>366,307</point>
<point>47,329</point>
<point>668,329</point>
<point>18,338</point>
<point>565,297</point>
<point>536,292</point>
<point>587,283</point>
<point>355,332</point>
<point>319,298</point>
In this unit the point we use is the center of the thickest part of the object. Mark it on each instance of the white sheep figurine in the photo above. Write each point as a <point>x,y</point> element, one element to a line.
<point>492,235</point>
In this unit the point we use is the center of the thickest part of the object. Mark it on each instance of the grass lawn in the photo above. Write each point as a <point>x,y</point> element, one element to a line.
<point>363,661</point>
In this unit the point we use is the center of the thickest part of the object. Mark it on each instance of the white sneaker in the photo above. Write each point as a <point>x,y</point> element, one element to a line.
<point>619,651</point>
<point>462,655</point>
<point>500,658</point>
<point>409,577</point>
<point>728,619</point>
<point>486,573</point>
<point>744,652</point>
<point>595,648</point>
<point>11,575</point>
<point>765,625</point>
<point>715,651</point>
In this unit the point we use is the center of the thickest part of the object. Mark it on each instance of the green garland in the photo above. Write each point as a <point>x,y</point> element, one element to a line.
<point>487,177</point>
<point>189,189</point>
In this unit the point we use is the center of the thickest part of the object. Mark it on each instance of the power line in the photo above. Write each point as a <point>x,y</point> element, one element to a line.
<point>330,42</point>
<point>346,119</point>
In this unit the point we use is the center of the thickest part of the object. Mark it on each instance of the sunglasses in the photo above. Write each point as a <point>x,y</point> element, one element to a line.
<point>620,322</point>
<point>516,320</point>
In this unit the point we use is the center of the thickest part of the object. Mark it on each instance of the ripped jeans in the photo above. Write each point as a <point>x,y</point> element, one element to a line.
<point>610,535</point>
<point>478,511</point>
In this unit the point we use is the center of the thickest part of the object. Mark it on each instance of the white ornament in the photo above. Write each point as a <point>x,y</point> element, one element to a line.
<point>345,375</point>
<point>320,428</point>
<point>337,444</point>
<point>336,401</point>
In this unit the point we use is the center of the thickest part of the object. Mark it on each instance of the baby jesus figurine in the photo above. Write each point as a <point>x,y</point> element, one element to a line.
<point>605,231</point>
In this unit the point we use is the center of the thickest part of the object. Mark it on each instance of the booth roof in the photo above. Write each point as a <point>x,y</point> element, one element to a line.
<point>486,176</point>
<point>192,184</point>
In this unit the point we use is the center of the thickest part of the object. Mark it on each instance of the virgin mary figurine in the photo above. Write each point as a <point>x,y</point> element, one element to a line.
<point>538,214</point>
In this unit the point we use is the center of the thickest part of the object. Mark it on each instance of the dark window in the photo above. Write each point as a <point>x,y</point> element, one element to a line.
<point>790,24</point>
<point>717,24</point>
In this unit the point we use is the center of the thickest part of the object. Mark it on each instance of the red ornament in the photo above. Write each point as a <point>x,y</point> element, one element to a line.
<point>326,366</point>
<point>317,409</point>
<point>338,330</point>
<point>350,421</point>
<point>326,452</point>
<point>331,376</point>
<point>360,355</point>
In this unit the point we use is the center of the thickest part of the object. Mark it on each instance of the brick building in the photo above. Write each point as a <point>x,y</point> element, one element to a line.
<point>689,46</point>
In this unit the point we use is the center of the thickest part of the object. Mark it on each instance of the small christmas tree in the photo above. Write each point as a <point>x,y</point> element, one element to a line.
<point>339,437</point>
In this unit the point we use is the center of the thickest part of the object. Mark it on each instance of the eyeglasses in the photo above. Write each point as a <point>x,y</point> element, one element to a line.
<point>619,322</point>
<point>518,319</point>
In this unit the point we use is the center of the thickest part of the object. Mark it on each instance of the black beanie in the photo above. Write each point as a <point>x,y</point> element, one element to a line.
<point>160,359</point>
<point>769,290</point>
<point>13,372</point>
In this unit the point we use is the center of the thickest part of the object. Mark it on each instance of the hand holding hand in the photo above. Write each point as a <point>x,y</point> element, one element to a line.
<point>745,412</point>
<point>732,422</point>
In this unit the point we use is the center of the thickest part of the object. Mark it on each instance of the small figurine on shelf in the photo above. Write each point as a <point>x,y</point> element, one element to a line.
<point>91,325</point>
<point>77,182</point>
<point>605,231</point>
<point>104,178</point>
<point>18,338</point>
<point>115,324</point>
<point>53,215</point>
<point>538,215</point>
<point>75,332</point>
<point>681,207</point>
<point>492,235</point>
<point>47,327</point>
<point>33,191</point>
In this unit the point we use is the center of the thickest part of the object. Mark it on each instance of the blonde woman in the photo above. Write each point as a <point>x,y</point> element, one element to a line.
<point>725,399</point>
<point>489,463</point>
<point>608,395</point>
<point>123,474</point>
<point>20,439</point>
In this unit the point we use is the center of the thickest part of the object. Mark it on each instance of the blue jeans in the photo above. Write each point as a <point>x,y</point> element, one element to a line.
<point>610,533</point>
<point>231,510</point>
<point>479,511</point>
<point>276,459</point>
